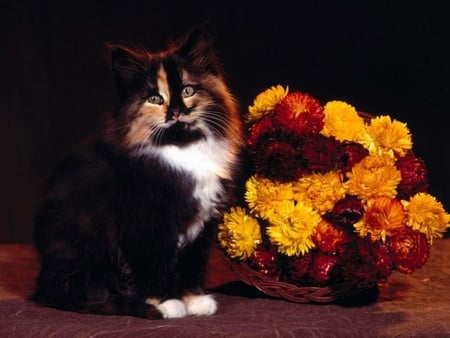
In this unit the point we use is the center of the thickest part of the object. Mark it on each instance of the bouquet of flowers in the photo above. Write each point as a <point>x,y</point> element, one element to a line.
<point>335,196</point>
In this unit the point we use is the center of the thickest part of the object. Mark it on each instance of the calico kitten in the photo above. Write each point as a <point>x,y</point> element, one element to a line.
<point>127,220</point>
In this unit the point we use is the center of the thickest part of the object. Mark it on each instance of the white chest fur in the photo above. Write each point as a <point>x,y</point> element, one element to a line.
<point>208,162</point>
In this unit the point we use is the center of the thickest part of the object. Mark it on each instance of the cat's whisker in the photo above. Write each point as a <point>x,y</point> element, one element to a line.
<point>216,121</point>
<point>158,134</point>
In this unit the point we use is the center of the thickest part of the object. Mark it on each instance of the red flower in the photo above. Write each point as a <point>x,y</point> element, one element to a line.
<point>359,264</point>
<point>384,261</point>
<point>321,153</point>
<point>410,249</point>
<point>352,153</point>
<point>265,262</point>
<point>263,127</point>
<point>298,267</point>
<point>347,211</point>
<point>323,267</point>
<point>299,113</point>
<point>414,176</point>
<point>276,160</point>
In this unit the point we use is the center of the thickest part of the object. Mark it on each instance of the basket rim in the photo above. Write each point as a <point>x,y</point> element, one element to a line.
<point>289,291</point>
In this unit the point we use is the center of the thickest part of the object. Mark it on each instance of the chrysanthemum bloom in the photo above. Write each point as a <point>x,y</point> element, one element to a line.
<point>410,249</point>
<point>276,160</point>
<point>265,102</point>
<point>291,228</point>
<point>352,153</point>
<point>321,191</point>
<point>320,153</point>
<point>343,122</point>
<point>414,176</point>
<point>299,113</point>
<point>259,130</point>
<point>359,264</point>
<point>264,196</point>
<point>328,238</point>
<point>239,234</point>
<point>427,215</point>
<point>374,175</point>
<point>388,136</point>
<point>382,218</point>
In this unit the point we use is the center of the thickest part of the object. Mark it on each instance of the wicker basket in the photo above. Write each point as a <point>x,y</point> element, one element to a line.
<point>291,292</point>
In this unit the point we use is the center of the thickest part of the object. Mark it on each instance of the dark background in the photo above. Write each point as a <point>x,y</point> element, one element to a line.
<point>382,56</point>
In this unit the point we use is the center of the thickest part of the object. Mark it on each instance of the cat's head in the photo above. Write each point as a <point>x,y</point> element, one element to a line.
<point>173,97</point>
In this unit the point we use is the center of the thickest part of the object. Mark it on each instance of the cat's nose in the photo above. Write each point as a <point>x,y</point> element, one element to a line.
<point>173,115</point>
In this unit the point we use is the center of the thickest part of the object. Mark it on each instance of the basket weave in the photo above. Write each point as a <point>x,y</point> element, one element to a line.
<point>291,292</point>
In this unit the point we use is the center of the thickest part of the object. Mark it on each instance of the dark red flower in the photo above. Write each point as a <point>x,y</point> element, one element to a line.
<point>321,153</point>
<point>359,264</point>
<point>276,160</point>
<point>347,211</point>
<point>352,153</point>
<point>298,267</point>
<point>322,269</point>
<point>299,113</point>
<point>410,249</point>
<point>414,176</point>
<point>265,262</point>
<point>261,128</point>
<point>384,261</point>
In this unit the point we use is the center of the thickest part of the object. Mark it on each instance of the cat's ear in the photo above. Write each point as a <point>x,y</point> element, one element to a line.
<point>198,52</point>
<point>127,67</point>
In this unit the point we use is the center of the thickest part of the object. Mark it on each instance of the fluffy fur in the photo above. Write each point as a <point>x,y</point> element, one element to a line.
<point>127,220</point>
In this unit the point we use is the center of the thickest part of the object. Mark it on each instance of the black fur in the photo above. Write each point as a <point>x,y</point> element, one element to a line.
<point>108,228</point>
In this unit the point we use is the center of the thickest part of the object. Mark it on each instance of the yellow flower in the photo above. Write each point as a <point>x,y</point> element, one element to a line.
<point>321,191</point>
<point>265,102</point>
<point>343,122</point>
<point>382,217</point>
<point>388,136</point>
<point>427,215</point>
<point>239,234</point>
<point>263,195</point>
<point>291,228</point>
<point>374,175</point>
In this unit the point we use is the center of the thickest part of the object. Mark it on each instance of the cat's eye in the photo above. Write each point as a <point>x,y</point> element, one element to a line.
<point>188,91</point>
<point>156,99</point>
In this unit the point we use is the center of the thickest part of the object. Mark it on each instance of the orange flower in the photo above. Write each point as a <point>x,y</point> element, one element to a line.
<point>382,218</point>
<point>328,238</point>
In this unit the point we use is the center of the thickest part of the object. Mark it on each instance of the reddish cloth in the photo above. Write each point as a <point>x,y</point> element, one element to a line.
<point>410,305</point>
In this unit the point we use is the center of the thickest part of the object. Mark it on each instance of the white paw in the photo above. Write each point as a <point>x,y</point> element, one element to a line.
<point>201,305</point>
<point>172,308</point>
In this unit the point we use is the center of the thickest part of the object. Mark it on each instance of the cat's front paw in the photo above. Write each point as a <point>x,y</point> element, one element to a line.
<point>172,308</point>
<point>200,305</point>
